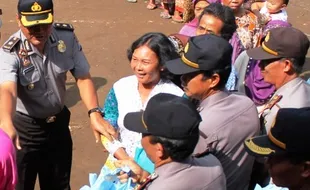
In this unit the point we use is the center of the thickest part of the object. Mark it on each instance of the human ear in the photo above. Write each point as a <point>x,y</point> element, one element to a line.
<point>215,79</point>
<point>18,20</point>
<point>288,66</point>
<point>306,170</point>
<point>159,150</point>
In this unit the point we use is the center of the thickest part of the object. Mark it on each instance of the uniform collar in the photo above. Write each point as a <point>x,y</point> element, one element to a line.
<point>213,99</point>
<point>288,85</point>
<point>172,168</point>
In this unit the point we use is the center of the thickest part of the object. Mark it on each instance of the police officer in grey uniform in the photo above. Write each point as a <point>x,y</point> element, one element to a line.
<point>33,66</point>
<point>169,127</point>
<point>227,118</point>
<point>282,54</point>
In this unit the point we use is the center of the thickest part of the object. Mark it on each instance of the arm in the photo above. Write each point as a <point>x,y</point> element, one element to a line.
<point>8,95</point>
<point>88,93</point>
<point>257,6</point>
<point>137,173</point>
<point>111,114</point>
<point>89,97</point>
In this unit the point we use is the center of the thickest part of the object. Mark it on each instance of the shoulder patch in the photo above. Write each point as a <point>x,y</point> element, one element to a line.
<point>63,26</point>
<point>273,101</point>
<point>9,45</point>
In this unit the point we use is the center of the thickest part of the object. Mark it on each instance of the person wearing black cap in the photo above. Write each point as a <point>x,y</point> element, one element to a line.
<point>169,127</point>
<point>227,118</point>
<point>33,66</point>
<point>286,148</point>
<point>282,54</point>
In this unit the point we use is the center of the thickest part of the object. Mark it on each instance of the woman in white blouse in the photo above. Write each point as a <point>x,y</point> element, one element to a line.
<point>147,56</point>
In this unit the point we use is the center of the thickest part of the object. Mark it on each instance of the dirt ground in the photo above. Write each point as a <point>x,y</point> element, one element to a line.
<point>105,30</point>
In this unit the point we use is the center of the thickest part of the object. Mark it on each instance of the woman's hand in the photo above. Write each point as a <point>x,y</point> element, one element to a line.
<point>137,173</point>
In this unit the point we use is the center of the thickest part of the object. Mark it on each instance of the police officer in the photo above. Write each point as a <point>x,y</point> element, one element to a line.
<point>227,118</point>
<point>286,148</point>
<point>282,54</point>
<point>169,127</point>
<point>33,66</point>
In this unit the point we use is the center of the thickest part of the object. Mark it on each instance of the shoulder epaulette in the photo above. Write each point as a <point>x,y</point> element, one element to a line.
<point>9,45</point>
<point>63,26</point>
<point>146,182</point>
<point>275,99</point>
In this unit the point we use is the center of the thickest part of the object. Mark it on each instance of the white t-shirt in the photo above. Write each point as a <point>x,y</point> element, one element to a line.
<point>282,15</point>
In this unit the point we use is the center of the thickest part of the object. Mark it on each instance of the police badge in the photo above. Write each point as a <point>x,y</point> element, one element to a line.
<point>61,46</point>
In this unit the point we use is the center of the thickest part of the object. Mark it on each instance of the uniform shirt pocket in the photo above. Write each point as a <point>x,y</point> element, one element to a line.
<point>29,79</point>
<point>63,65</point>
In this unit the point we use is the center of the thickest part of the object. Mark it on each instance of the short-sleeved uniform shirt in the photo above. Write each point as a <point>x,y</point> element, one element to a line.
<point>41,78</point>
<point>193,173</point>
<point>227,120</point>
<point>294,94</point>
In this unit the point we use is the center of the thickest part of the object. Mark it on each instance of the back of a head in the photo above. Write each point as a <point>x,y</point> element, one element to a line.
<point>177,149</point>
<point>226,15</point>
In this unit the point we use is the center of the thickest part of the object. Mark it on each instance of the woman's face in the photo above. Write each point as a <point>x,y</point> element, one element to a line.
<point>145,65</point>
<point>233,4</point>
<point>199,7</point>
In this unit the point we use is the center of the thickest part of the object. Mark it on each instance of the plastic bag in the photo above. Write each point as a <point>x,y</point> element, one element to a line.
<point>107,180</point>
<point>143,161</point>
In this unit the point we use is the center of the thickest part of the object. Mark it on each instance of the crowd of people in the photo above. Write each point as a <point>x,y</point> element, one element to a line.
<point>221,104</point>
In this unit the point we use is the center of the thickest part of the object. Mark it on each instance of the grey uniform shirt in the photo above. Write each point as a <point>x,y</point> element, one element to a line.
<point>227,120</point>
<point>193,174</point>
<point>295,94</point>
<point>41,83</point>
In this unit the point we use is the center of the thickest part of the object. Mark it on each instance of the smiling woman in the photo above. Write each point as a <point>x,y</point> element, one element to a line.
<point>147,56</point>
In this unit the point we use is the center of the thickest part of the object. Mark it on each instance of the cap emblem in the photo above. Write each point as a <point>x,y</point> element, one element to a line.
<point>186,48</point>
<point>267,37</point>
<point>36,7</point>
<point>257,149</point>
<point>143,122</point>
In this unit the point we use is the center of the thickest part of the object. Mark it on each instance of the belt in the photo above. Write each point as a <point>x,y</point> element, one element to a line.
<point>49,119</point>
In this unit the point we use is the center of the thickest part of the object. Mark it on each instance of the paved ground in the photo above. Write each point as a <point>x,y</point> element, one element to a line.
<point>106,29</point>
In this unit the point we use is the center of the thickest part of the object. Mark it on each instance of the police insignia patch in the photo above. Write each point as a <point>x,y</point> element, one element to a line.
<point>61,46</point>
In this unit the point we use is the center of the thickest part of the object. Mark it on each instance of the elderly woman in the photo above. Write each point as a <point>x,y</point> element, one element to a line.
<point>248,28</point>
<point>8,170</point>
<point>147,56</point>
<point>189,29</point>
<point>246,36</point>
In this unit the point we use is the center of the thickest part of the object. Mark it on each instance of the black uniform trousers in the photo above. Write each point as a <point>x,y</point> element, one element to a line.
<point>46,151</point>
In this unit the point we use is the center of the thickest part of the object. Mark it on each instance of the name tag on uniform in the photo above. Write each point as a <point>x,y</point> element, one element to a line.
<point>28,69</point>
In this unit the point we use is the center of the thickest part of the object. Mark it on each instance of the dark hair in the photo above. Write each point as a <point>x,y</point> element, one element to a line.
<point>177,149</point>
<point>286,2</point>
<point>297,63</point>
<point>160,45</point>
<point>226,15</point>
<point>223,73</point>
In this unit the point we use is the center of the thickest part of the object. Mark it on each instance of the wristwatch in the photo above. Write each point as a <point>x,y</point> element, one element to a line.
<point>97,109</point>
